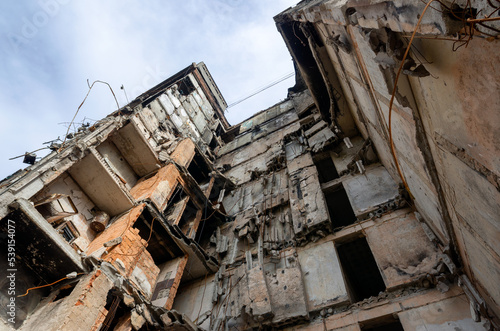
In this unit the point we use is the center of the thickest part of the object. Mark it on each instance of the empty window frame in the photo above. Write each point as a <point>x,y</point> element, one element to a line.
<point>161,246</point>
<point>360,269</point>
<point>199,169</point>
<point>339,207</point>
<point>385,323</point>
<point>117,313</point>
<point>68,231</point>
<point>326,168</point>
<point>185,86</point>
<point>65,291</point>
<point>56,207</point>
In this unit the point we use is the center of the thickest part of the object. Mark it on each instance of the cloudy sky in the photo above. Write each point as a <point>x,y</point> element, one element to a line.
<point>49,48</point>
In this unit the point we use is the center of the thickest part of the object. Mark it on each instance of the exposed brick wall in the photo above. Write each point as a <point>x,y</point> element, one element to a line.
<point>177,281</point>
<point>132,251</point>
<point>78,311</point>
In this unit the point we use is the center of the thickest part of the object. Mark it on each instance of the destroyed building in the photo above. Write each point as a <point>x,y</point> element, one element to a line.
<point>367,200</point>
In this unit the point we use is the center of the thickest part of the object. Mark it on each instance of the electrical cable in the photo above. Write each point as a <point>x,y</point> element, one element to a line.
<point>57,281</point>
<point>279,80</point>
<point>90,88</point>
<point>391,102</point>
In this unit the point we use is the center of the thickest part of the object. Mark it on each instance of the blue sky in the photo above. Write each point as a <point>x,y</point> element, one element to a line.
<point>49,48</point>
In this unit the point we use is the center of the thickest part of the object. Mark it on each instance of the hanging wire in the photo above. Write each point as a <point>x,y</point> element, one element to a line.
<point>90,88</point>
<point>42,286</point>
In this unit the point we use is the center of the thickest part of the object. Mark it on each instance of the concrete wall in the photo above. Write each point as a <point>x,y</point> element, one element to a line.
<point>444,118</point>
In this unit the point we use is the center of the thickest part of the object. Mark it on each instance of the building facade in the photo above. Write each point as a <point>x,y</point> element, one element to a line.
<point>336,209</point>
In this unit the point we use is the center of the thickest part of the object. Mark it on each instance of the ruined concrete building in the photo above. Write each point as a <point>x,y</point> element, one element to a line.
<point>351,205</point>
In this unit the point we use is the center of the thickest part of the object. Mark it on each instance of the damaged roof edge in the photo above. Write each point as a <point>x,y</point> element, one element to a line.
<point>204,77</point>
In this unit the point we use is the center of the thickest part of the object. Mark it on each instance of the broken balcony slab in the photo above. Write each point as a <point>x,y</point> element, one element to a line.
<point>184,152</point>
<point>316,128</point>
<point>246,153</point>
<point>272,160</point>
<point>416,256</point>
<point>101,185</point>
<point>135,149</point>
<point>260,131</point>
<point>39,245</point>
<point>321,139</point>
<point>346,154</point>
<point>265,116</point>
<point>264,193</point>
<point>368,191</point>
<point>157,188</point>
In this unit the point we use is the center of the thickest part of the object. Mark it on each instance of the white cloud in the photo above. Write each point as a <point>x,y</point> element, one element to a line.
<point>138,44</point>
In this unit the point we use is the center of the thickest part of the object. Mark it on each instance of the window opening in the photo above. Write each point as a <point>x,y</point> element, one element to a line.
<point>65,291</point>
<point>386,323</point>
<point>360,269</point>
<point>186,87</point>
<point>326,169</point>
<point>339,208</point>
<point>198,168</point>
<point>161,246</point>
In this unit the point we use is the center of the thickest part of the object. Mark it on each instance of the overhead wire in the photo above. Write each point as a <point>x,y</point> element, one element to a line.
<point>279,80</point>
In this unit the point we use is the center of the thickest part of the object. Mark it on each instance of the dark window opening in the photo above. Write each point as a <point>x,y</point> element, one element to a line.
<point>231,134</point>
<point>326,169</point>
<point>206,229</point>
<point>307,112</point>
<point>199,169</point>
<point>339,208</point>
<point>47,210</point>
<point>219,131</point>
<point>161,246</point>
<point>67,234</point>
<point>65,291</point>
<point>117,312</point>
<point>215,193</point>
<point>386,323</point>
<point>360,269</point>
<point>213,143</point>
<point>186,87</point>
<point>68,231</point>
<point>177,196</point>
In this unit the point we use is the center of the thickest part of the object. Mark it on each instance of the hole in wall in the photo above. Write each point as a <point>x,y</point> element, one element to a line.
<point>339,207</point>
<point>360,269</point>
